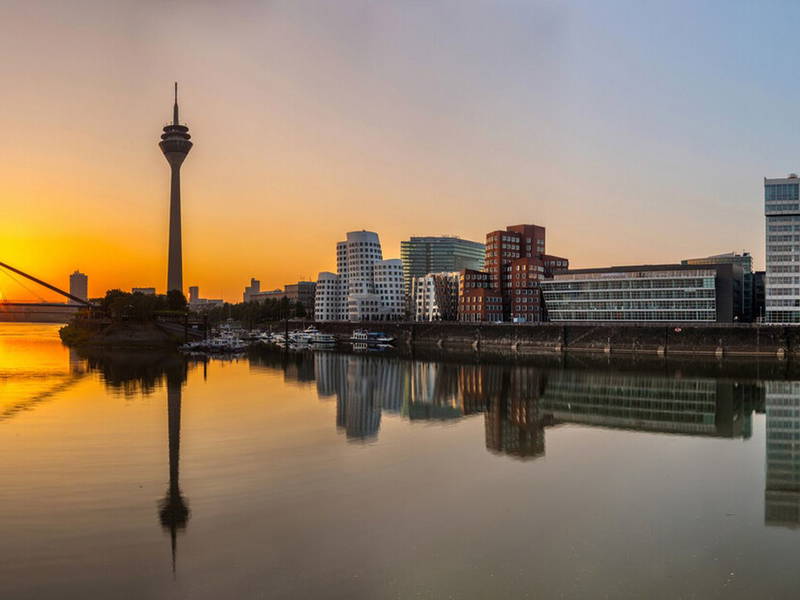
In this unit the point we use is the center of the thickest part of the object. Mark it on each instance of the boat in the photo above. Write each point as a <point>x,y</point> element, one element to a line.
<point>323,338</point>
<point>363,336</point>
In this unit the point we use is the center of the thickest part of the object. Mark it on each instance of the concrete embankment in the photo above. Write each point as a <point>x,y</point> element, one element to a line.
<point>629,338</point>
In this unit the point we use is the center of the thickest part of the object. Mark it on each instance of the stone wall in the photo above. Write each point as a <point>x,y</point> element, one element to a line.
<point>629,338</point>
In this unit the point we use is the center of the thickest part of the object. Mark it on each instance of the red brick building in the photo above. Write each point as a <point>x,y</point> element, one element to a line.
<point>516,263</point>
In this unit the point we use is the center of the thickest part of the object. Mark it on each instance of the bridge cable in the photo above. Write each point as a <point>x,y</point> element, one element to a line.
<point>10,276</point>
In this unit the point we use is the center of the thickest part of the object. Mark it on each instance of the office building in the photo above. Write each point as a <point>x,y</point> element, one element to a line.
<point>746,262</point>
<point>365,287</point>
<point>517,263</point>
<point>78,286</point>
<point>435,296</point>
<point>782,284</point>
<point>679,293</point>
<point>443,254</point>
<point>175,145</point>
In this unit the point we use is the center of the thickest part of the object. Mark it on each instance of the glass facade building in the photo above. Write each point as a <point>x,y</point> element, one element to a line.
<point>782,280</point>
<point>748,301</point>
<point>423,255</point>
<point>666,293</point>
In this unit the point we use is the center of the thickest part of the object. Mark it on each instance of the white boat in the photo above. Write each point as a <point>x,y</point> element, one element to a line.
<point>323,338</point>
<point>362,336</point>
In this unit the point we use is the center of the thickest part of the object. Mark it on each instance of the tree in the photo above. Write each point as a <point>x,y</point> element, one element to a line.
<point>176,300</point>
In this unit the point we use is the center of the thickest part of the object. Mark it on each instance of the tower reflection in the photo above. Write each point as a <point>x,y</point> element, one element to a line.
<point>173,508</point>
<point>141,373</point>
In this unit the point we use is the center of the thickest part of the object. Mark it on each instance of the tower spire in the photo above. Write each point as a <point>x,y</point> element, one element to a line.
<point>175,108</point>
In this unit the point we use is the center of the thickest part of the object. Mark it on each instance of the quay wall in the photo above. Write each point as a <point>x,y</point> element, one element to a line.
<point>682,339</point>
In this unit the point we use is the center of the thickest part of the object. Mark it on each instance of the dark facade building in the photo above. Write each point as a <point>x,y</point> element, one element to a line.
<point>746,262</point>
<point>759,295</point>
<point>666,293</point>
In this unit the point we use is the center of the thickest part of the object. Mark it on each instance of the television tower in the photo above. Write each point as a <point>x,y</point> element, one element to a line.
<point>175,145</point>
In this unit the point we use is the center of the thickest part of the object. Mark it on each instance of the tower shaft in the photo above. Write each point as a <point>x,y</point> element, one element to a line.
<point>175,256</point>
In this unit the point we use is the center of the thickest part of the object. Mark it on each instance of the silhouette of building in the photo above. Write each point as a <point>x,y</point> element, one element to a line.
<point>79,286</point>
<point>147,291</point>
<point>198,303</point>
<point>175,145</point>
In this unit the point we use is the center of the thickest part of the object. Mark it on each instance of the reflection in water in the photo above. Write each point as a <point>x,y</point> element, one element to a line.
<point>782,493</point>
<point>519,402</point>
<point>141,373</point>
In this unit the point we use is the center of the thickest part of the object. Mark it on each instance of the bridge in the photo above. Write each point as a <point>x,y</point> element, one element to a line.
<point>44,312</point>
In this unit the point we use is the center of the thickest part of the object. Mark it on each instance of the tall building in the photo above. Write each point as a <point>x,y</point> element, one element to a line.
<point>78,286</point>
<point>516,262</point>
<point>747,285</point>
<point>677,293</point>
<point>782,284</point>
<point>443,254</point>
<point>365,287</point>
<point>435,296</point>
<point>175,145</point>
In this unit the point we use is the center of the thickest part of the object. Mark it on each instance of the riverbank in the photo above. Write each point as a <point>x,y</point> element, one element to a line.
<point>709,339</point>
<point>125,334</point>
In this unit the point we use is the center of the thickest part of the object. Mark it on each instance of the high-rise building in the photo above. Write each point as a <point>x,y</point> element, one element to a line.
<point>516,262</point>
<point>746,262</point>
<point>443,254</point>
<point>365,287</point>
<point>175,145</point>
<point>782,284</point>
<point>78,286</point>
<point>194,294</point>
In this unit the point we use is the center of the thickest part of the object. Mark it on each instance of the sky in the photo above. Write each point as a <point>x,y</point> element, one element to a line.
<point>635,132</point>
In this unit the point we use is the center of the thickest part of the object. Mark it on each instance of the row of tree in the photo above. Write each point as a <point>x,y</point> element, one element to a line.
<point>255,314</point>
<point>119,305</point>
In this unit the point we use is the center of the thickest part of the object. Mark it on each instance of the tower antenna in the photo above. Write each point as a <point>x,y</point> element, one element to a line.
<point>175,108</point>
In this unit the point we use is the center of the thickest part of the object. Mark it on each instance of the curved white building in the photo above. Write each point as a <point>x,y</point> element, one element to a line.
<point>365,288</point>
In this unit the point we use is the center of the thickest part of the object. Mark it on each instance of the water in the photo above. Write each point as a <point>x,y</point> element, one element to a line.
<point>355,476</point>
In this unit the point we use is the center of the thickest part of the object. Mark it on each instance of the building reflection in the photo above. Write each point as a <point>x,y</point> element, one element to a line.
<point>696,406</point>
<point>782,490</point>
<point>519,402</point>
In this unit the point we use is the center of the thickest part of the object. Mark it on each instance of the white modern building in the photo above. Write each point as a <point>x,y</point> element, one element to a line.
<point>365,287</point>
<point>782,284</point>
<point>435,296</point>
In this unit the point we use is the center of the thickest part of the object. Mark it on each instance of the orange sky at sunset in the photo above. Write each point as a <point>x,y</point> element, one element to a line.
<point>411,119</point>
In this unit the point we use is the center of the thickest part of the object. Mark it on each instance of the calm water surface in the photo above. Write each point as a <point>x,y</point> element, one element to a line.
<point>365,476</point>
